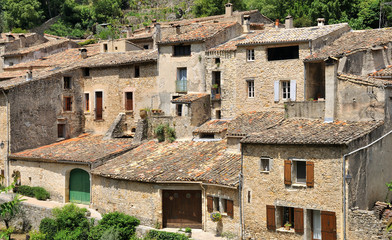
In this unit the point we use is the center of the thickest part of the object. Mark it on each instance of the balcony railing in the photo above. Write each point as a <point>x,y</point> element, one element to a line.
<point>181,86</point>
<point>216,93</point>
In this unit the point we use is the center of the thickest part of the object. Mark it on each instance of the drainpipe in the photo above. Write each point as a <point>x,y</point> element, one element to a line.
<point>345,176</point>
<point>205,209</point>
<point>240,194</point>
<point>7,167</point>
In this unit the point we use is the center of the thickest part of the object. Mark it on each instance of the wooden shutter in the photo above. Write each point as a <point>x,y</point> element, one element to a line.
<point>210,204</point>
<point>287,172</point>
<point>293,89</point>
<point>328,225</point>
<point>276,91</point>
<point>98,105</point>
<point>271,217</point>
<point>129,101</point>
<point>299,220</point>
<point>310,174</point>
<point>229,208</point>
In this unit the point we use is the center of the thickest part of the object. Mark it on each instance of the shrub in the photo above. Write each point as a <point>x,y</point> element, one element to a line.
<point>87,42</point>
<point>48,227</point>
<point>37,192</point>
<point>24,190</point>
<point>153,234</point>
<point>160,132</point>
<point>110,234</point>
<point>76,234</point>
<point>35,235</point>
<point>70,217</point>
<point>124,224</point>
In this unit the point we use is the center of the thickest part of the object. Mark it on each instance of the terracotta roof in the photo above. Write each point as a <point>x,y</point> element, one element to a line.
<point>13,74</point>
<point>213,126</point>
<point>85,148</point>
<point>387,71</point>
<point>118,58</point>
<point>254,122</point>
<point>206,162</point>
<point>190,97</point>
<point>231,45</point>
<point>376,81</point>
<point>305,131</point>
<point>353,41</point>
<point>284,35</point>
<point>36,47</point>
<point>197,32</point>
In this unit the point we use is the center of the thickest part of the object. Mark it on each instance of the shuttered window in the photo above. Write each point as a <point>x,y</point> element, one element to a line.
<point>310,174</point>
<point>271,217</point>
<point>328,225</point>
<point>210,204</point>
<point>287,172</point>
<point>299,220</point>
<point>129,101</point>
<point>67,103</point>
<point>87,102</point>
<point>229,208</point>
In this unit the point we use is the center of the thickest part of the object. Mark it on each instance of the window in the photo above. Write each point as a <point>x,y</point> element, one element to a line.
<point>283,53</point>
<point>264,164</point>
<point>145,46</point>
<point>87,102</point>
<point>179,110</point>
<point>181,84</point>
<point>250,54</point>
<point>61,130</point>
<point>207,135</point>
<point>288,216</point>
<point>219,204</point>
<point>299,172</point>
<point>129,101</point>
<point>218,114</point>
<point>251,88</point>
<point>67,83</point>
<point>67,103</point>
<point>11,64</point>
<point>182,50</point>
<point>137,71</point>
<point>284,214</point>
<point>316,224</point>
<point>105,47</point>
<point>285,90</point>
<point>98,105</point>
<point>86,72</point>
<point>217,60</point>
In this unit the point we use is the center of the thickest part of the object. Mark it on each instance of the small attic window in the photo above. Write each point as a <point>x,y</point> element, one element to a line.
<point>145,46</point>
<point>217,60</point>
<point>182,50</point>
<point>67,83</point>
<point>207,135</point>
<point>105,47</point>
<point>86,72</point>
<point>283,53</point>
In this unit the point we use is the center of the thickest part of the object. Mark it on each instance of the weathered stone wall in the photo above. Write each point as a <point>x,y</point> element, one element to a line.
<point>54,177</point>
<point>114,82</point>
<point>36,108</point>
<point>200,111</point>
<point>364,224</point>
<point>308,109</point>
<point>182,125</point>
<point>269,188</point>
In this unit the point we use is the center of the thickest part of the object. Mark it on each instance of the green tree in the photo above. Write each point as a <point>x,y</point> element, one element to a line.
<point>23,14</point>
<point>215,7</point>
<point>106,10</point>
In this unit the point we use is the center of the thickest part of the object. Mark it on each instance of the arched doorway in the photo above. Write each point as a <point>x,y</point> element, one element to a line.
<point>79,186</point>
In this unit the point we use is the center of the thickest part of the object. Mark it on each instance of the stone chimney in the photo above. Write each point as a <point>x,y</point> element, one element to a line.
<point>277,23</point>
<point>157,35</point>
<point>129,31</point>
<point>22,40</point>
<point>289,22</point>
<point>228,10</point>
<point>331,73</point>
<point>29,75</point>
<point>83,53</point>
<point>9,37</point>
<point>178,29</point>
<point>246,24</point>
<point>320,22</point>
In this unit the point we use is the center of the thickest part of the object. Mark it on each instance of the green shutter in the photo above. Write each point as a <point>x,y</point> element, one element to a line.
<point>79,186</point>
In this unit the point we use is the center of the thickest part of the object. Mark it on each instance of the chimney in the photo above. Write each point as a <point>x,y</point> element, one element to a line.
<point>246,24</point>
<point>289,22</point>
<point>331,73</point>
<point>178,29</point>
<point>29,75</point>
<point>157,35</point>
<point>83,53</point>
<point>9,38</point>
<point>320,22</point>
<point>22,40</point>
<point>277,23</point>
<point>129,31</point>
<point>228,10</point>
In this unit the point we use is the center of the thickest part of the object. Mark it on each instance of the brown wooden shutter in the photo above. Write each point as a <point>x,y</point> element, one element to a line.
<point>287,172</point>
<point>129,101</point>
<point>299,220</point>
<point>210,204</point>
<point>98,105</point>
<point>229,208</point>
<point>310,174</point>
<point>328,225</point>
<point>271,217</point>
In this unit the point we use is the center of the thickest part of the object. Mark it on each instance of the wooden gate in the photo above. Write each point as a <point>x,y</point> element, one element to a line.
<point>79,186</point>
<point>181,208</point>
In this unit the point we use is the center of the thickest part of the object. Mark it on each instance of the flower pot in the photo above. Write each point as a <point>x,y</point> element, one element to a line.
<point>143,114</point>
<point>188,234</point>
<point>287,228</point>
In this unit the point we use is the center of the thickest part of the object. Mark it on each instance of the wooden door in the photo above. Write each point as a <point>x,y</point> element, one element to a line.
<point>328,225</point>
<point>98,105</point>
<point>181,208</point>
<point>79,186</point>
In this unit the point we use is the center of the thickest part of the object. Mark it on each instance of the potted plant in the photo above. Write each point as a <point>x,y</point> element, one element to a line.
<point>188,232</point>
<point>287,226</point>
<point>215,86</point>
<point>216,216</point>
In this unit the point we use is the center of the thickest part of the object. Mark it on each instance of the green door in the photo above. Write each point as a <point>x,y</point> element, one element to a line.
<point>79,186</point>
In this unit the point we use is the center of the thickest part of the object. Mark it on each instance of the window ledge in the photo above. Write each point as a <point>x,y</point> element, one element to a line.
<point>267,172</point>
<point>283,230</point>
<point>99,120</point>
<point>250,60</point>
<point>299,185</point>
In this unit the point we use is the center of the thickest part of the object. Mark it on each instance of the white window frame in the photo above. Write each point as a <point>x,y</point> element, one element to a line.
<point>222,207</point>
<point>285,90</point>
<point>250,87</point>
<point>294,170</point>
<point>262,165</point>
<point>250,55</point>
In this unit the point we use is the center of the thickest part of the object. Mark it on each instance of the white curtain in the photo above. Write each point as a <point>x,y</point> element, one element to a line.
<point>316,225</point>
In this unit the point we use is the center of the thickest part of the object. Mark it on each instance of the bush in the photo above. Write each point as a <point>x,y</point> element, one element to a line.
<point>76,234</point>
<point>48,227</point>
<point>159,235</point>
<point>70,217</point>
<point>35,235</point>
<point>87,42</point>
<point>124,224</point>
<point>37,192</point>
<point>110,234</point>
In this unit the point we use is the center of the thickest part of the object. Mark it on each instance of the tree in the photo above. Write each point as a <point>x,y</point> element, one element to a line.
<point>24,14</point>
<point>105,10</point>
<point>215,7</point>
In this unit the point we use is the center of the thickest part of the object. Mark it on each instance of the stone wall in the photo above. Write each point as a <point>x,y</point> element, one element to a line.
<point>364,224</point>
<point>307,109</point>
<point>268,188</point>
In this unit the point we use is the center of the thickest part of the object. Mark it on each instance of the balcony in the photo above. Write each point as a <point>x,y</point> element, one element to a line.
<point>181,86</point>
<point>216,94</point>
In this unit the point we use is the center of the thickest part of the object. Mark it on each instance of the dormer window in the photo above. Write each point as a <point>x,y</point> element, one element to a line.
<point>182,50</point>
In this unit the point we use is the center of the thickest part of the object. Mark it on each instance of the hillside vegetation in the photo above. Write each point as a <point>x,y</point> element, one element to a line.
<point>80,18</point>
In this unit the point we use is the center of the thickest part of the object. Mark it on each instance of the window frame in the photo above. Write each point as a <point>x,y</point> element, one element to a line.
<point>67,82</point>
<point>250,87</point>
<point>67,103</point>
<point>136,72</point>
<point>285,88</point>
<point>262,166</point>
<point>182,51</point>
<point>86,102</point>
<point>220,204</point>
<point>250,55</point>
<point>63,125</point>
<point>126,101</point>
